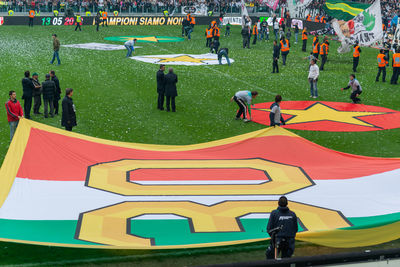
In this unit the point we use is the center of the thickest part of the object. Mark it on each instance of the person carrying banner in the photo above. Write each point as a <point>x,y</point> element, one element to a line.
<point>14,113</point>
<point>285,48</point>
<point>275,57</point>
<point>282,227</point>
<point>209,36</point>
<point>356,89</point>
<point>324,53</point>
<point>396,67</point>
<point>31,16</point>
<point>356,56</point>
<point>255,34</point>
<point>160,87</point>
<point>78,22</point>
<point>104,16</point>
<point>243,99</point>
<point>304,37</point>
<point>382,61</point>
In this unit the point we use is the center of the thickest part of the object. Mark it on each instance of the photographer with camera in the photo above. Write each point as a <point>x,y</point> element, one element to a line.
<point>282,228</point>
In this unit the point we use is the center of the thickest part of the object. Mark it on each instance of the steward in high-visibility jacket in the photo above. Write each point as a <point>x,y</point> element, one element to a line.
<point>216,32</point>
<point>396,67</point>
<point>192,22</point>
<point>308,18</point>
<point>323,19</point>
<point>189,17</point>
<point>104,16</point>
<point>316,18</point>
<point>78,22</point>
<point>213,24</point>
<point>356,56</point>
<point>323,51</point>
<point>316,49</point>
<point>382,61</point>
<point>116,13</point>
<point>11,12</point>
<point>255,33</point>
<point>285,48</point>
<point>55,13</point>
<point>315,39</point>
<point>209,36</point>
<point>304,37</point>
<point>31,16</point>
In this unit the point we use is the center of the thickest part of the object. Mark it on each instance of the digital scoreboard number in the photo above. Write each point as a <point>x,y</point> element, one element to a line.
<point>58,21</point>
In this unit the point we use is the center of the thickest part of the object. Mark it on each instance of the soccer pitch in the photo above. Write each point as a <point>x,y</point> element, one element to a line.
<point>116,99</point>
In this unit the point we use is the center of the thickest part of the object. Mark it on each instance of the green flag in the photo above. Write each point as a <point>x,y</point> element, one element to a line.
<point>344,10</point>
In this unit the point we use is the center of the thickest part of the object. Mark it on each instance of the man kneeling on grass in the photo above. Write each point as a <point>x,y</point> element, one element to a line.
<point>243,99</point>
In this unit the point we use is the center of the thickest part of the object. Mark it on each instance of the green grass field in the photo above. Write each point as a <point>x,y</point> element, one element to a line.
<point>116,99</point>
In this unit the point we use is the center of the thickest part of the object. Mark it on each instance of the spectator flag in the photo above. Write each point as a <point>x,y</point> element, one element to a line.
<point>366,28</point>
<point>245,15</point>
<point>344,10</point>
<point>272,3</point>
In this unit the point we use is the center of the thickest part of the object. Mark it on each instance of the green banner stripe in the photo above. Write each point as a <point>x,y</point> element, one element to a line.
<point>345,8</point>
<point>164,232</point>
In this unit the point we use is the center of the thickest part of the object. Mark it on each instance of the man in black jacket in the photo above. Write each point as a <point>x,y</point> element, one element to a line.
<point>68,119</point>
<point>284,222</point>
<point>27,89</point>
<point>246,36</point>
<point>160,87</point>
<point>170,89</point>
<point>275,57</point>
<point>37,94</point>
<point>49,90</point>
<point>57,95</point>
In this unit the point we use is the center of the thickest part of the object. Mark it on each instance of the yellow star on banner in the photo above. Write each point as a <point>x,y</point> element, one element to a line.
<point>183,58</point>
<point>149,39</point>
<point>321,112</point>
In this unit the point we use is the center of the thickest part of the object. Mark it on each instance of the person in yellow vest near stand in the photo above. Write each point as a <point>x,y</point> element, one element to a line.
<point>116,13</point>
<point>285,48</point>
<point>55,13</point>
<point>104,16</point>
<point>78,22</point>
<point>304,37</point>
<point>382,61</point>
<point>323,51</point>
<point>356,56</point>
<point>216,33</point>
<point>316,48</point>
<point>255,33</point>
<point>209,36</point>
<point>31,16</point>
<point>396,67</point>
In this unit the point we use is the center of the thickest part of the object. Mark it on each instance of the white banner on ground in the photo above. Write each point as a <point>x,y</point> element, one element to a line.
<point>182,59</point>
<point>366,28</point>
<point>232,20</point>
<point>298,8</point>
<point>200,10</point>
<point>98,46</point>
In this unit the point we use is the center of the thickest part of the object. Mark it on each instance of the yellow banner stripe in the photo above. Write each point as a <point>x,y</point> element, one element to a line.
<point>345,8</point>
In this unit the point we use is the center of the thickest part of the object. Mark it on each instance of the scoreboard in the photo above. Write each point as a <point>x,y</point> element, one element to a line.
<point>57,21</point>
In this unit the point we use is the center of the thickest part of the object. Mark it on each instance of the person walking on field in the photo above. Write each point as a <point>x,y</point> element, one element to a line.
<point>243,100</point>
<point>275,57</point>
<point>356,89</point>
<point>255,34</point>
<point>324,53</point>
<point>171,79</point>
<point>56,48</point>
<point>68,119</point>
<point>49,90</point>
<point>356,56</point>
<point>14,113</point>
<point>275,115</point>
<point>78,22</point>
<point>160,87</point>
<point>313,75</point>
<point>304,37</point>
<point>285,48</point>
<point>382,61</point>
<point>27,89</point>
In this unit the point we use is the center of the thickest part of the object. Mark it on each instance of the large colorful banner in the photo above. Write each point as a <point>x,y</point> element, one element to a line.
<point>66,189</point>
<point>344,10</point>
<point>366,28</point>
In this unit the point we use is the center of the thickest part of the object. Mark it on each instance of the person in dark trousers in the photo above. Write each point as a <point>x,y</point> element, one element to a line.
<point>246,37</point>
<point>68,119</point>
<point>49,90</point>
<point>275,57</point>
<point>275,115</point>
<point>356,89</point>
<point>56,48</point>
<point>382,61</point>
<point>356,56</point>
<point>324,53</point>
<point>27,93</point>
<point>170,89</point>
<point>209,36</point>
<point>243,99</point>
<point>396,67</point>
<point>223,52</point>
<point>304,37</point>
<point>285,49</point>
<point>228,29</point>
<point>284,221</point>
<point>14,113</point>
<point>57,95</point>
<point>78,22</point>
<point>255,34</point>
<point>97,21</point>
<point>37,94</point>
<point>214,46</point>
<point>160,87</point>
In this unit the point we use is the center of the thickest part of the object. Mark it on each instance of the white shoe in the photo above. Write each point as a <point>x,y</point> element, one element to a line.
<point>314,97</point>
<point>246,120</point>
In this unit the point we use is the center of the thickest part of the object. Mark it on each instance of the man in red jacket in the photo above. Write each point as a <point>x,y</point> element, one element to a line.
<point>14,113</point>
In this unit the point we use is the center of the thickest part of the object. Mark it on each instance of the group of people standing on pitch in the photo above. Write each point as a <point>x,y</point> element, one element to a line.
<point>166,88</point>
<point>34,90</point>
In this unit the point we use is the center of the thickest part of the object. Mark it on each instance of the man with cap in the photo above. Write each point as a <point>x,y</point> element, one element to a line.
<point>37,93</point>
<point>282,226</point>
<point>49,90</point>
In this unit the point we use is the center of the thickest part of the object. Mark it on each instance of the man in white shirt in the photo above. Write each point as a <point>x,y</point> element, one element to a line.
<point>313,78</point>
<point>243,99</point>
<point>130,46</point>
